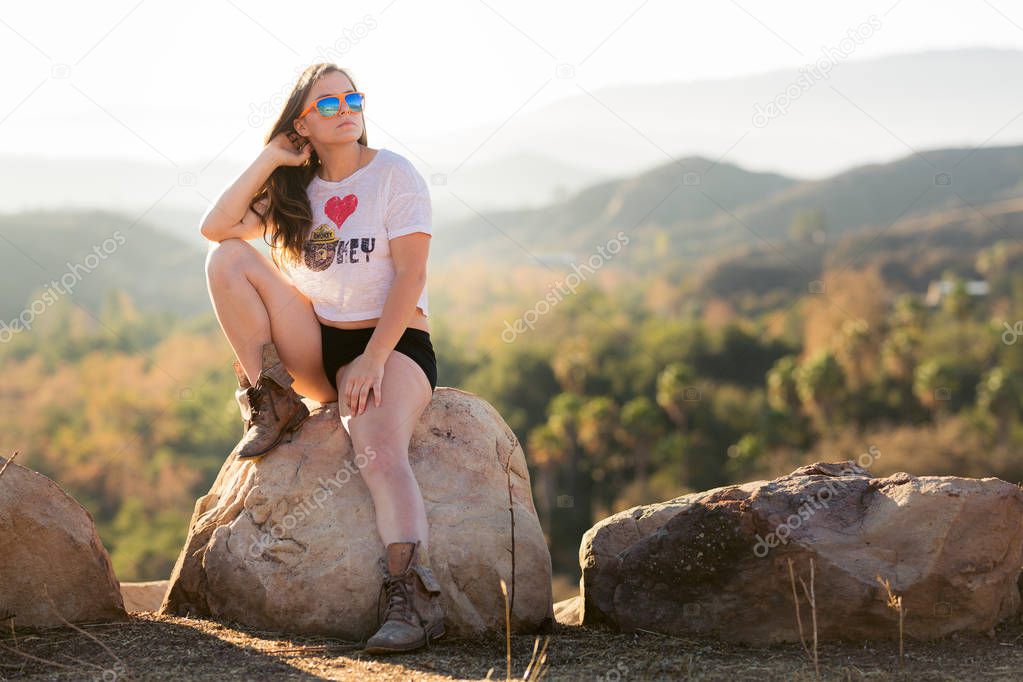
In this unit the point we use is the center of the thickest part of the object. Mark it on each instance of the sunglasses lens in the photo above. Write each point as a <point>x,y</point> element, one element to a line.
<point>328,106</point>
<point>355,100</point>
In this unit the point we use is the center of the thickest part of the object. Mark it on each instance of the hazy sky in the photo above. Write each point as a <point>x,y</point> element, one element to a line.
<point>187,82</point>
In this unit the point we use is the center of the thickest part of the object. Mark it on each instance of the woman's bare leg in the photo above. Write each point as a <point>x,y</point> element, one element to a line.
<point>382,435</point>
<point>255,304</point>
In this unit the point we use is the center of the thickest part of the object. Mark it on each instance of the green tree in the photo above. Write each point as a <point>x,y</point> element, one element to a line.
<point>898,355</point>
<point>999,395</point>
<point>856,352</point>
<point>641,425</point>
<point>957,301</point>
<point>572,363</point>
<point>909,313</point>
<point>677,393</point>
<point>782,389</point>
<point>574,510</point>
<point>547,452</point>
<point>821,384</point>
<point>934,383</point>
<point>598,424</point>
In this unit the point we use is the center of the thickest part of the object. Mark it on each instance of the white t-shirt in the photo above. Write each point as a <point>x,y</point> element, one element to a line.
<point>347,269</point>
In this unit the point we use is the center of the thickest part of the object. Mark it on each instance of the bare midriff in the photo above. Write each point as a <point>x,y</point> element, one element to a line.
<point>418,321</point>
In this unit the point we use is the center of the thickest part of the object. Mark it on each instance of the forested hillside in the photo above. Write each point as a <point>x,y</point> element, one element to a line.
<point>812,342</point>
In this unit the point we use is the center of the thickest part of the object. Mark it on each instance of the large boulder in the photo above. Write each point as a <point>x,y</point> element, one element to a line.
<point>290,543</point>
<point>53,566</point>
<point>717,562</point>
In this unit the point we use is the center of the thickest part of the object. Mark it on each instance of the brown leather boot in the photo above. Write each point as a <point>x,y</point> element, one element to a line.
<point>414,614</point>
<point>273,408</point>
<point>241,394</point>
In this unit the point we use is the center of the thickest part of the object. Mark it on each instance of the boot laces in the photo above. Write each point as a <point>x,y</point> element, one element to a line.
<point>397,590</point>
<point>258,400</point>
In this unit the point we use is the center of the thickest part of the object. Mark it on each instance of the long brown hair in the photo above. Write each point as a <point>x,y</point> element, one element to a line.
<point>287,213</point>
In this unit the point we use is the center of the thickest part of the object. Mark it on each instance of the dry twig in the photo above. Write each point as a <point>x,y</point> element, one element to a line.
<point>8,462</point>
<point>511,511</point>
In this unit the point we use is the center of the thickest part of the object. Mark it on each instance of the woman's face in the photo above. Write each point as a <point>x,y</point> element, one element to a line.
<point>345,127</point>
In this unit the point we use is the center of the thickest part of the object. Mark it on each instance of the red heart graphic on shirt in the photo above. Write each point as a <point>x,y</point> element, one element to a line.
<point>338,209</point>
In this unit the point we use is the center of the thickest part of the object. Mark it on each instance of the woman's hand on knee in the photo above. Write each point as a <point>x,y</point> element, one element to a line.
<point>365,374</point>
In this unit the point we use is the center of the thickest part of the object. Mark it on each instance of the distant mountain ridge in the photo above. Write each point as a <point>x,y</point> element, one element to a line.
<point>697,218</point>
<point>866,110</point>
<point>88,254</point>
<point>697,207</point>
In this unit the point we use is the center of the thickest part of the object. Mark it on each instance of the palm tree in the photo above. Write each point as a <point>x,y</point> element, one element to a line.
<point>676,393</point>
<point>563,420</point>
<point>677,396</point>
<point>572,363</point>
<point>598,423</point>
<point>547,452</point>
<point>856,352</point>
<point>957,301</point>
<point>782,393</point>
<point>909,313</point>
<point>821,384</point>
<point>641,425</point>
<point>934,383</point>
<point>898,354</point>
<point>993,263</point>
<point>999,394</point>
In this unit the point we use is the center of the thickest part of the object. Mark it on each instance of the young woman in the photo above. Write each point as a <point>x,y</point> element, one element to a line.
<point>339,312</point>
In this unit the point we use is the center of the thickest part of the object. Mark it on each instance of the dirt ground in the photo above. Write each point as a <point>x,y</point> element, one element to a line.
<point>153,647</point>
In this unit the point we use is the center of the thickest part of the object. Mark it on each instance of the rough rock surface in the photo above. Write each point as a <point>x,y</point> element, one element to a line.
<point>51,556</point>
<point>147,596</point>
<point>289,542</point>
<point>717,562</point>
<point>569,611</point>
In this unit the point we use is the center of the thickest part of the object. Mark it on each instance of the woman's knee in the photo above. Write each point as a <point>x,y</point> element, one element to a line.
<point>227,256</point>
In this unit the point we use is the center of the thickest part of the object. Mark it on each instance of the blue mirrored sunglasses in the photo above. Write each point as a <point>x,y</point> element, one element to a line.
<point>329,106</point>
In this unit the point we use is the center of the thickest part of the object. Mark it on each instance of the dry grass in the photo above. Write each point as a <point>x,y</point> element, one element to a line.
<point>153,647</point>
<point>811,599</point>
<point>895,602</point>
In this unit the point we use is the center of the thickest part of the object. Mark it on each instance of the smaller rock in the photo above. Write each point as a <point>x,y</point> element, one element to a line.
<point>569,611</point>
<point>52,557</point>
<point>145,596</point>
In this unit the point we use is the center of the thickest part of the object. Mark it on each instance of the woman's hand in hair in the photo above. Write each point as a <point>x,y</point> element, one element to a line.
<point>289,149</point>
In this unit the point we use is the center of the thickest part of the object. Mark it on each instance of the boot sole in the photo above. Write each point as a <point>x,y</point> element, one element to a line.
<point>291,427</point>
<point>418,644</point>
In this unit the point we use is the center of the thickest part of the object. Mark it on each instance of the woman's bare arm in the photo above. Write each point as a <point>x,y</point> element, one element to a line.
<point>230,216</point>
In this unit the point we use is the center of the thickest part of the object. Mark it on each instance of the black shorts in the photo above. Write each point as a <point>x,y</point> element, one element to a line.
<point>341,346</point>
